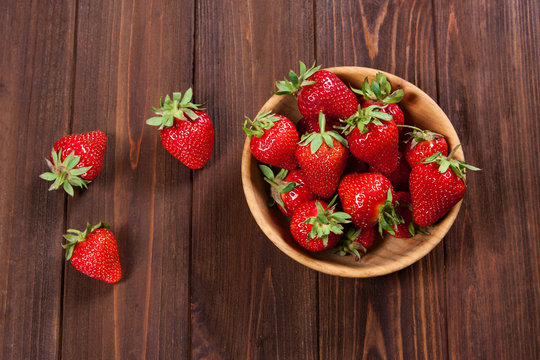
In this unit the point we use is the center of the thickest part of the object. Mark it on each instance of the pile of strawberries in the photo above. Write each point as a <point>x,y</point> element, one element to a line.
<point>345,154</point>
<point>186,132</point>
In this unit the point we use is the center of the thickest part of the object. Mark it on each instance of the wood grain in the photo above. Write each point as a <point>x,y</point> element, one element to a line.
<point>489,84</point>
<point>249,300</point>
<point>401,315</point>
<point>128,55</point>
<point>36,47</point>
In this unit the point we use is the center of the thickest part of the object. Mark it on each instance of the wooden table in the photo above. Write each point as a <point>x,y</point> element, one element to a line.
<point>201,280</point>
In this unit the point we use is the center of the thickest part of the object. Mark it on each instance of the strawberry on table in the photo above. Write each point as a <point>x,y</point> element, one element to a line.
<point>356,241</point>
<point>94,252</point>
<point>274,140</point>
<point>319,90</point>
<point>369,199</point>
<point>423,144</point>
<point>380,93</point>
<point>322,157</point>
<point>373,137</point>
<point>186,130</point>
<point>288,189</point>
<point>437,183</point>
<point>76,160</point>
<point>316,226</point>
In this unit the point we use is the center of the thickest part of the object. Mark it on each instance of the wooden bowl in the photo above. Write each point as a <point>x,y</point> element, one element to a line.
<point>389,255</point>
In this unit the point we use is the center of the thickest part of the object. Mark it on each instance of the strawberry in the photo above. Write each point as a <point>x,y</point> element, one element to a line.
<point>368,198</point>
<point>76,160</point>
<point>356,241</point>
<point>288,189</point>
<point>423,144</point>
<point>316,226</point>
<point>319,90</point>
<point>186,130</point>
<point>400,176</point>
<point>94,252</point>
<point>372,140</point>
<point>310,125</point>
<point>322,157</point>
<point>274,140</point>
<point>380,93</point>
<point>436,184</point>
<point>404,209</point>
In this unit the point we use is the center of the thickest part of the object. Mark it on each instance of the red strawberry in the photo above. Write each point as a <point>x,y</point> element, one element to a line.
<point>288,188</point>
<point>356,241</point>
<point>355,165</point>
<point>437,184</point>
<point>316,225</point>
<point>310,125</point>
<point>322,157</point>
<point>400,176</point>
<point>404,209</point>
<point>372,140</point>
<point>274,140</point>
<point>380,93</point>
<point>186,131</point>
<point>76,160</point>
<point>94,252</point>
<point>319,90</point>
<point>368,198</point>
<point>423,144</point>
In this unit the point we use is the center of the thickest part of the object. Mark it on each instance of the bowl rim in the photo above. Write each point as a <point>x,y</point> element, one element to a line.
<point>339,269</point>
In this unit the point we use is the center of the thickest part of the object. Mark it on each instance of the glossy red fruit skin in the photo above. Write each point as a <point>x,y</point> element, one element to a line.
<point>296,196</point>
<point>366,237</point>
<point>378,147</point>
<point>425,149</point>
<point>404,200</point>
<point>323,169</point>
<point>400,176</point>
<point>433,193</point>
<point>300,231</point>
<point>311,125</point>
<point>330,95</point>
<point>89,146</point>
<point>392,109</point>
<point>277,145</point>
<point>97,256</point>
<point>361,195</point>
<point>191,141</point>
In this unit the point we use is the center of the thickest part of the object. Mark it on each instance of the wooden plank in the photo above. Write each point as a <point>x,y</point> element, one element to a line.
<point>36,43</point>
<point>401,315</point>
<point>128,55</point>
<point>249,299</point>
<point>490,87</point>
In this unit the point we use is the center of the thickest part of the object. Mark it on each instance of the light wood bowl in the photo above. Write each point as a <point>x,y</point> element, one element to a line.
<point>389,255</point>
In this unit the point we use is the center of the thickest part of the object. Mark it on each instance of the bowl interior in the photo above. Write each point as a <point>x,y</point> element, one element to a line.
<point>386,256</point>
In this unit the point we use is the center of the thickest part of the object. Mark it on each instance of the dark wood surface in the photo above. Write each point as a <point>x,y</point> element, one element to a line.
<point>200,278</point>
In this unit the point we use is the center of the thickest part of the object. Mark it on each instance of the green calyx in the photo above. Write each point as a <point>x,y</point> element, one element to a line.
<point>447,162</point>
<point>348,245</point>
<point>174,108</point>
<point>278,184</point>
<point>64,173</point>
<point>388,218</point>
<point>363,117</point>
<point>296,82</point>
<point>73,237</point>
<point>379,90</point>
<point>418,135</point>
<point>263,121</point>
<point>315,140</point>
<point>327,222</point>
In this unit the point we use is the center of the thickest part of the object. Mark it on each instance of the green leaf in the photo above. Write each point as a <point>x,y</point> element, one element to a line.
<point>80,171</point>
<point>68,188</point>
<point>267,172</point>
<point>328,140</point>
<point>49,176</point>
<point>302,68</point>
<point>56,156</point>
<point>155,121</point>
<point>316,144</point>
<point>290,186</point>
<point>187,97</point>
<point>294,79</point>
<point>191,114</point>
